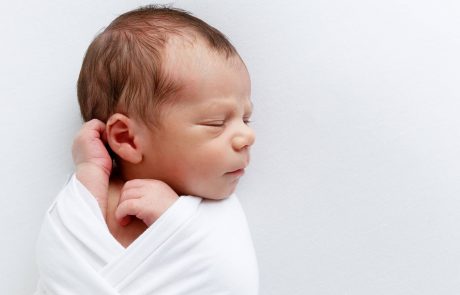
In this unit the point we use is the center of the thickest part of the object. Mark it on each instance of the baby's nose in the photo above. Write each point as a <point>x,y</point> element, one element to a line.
<point>244,139</point>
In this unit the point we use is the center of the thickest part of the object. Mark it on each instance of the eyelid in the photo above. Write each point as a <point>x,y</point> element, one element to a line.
<point>214,124</point>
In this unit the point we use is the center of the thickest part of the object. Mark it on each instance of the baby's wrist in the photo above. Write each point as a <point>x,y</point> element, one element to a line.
<point>91,169</point>
<point>155,214</point>
<point>92,176</point>
<point>96,180</point>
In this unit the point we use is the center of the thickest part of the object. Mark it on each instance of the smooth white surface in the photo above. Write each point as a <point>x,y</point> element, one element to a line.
<point>354,185</point>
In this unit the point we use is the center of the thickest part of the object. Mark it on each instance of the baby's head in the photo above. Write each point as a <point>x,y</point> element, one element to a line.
<point>175,96</point>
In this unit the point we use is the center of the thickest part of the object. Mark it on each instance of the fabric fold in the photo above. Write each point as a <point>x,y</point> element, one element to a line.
<point>197,247</point>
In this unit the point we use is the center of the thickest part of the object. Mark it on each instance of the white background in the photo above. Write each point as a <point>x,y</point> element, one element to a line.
<point>354,185</point>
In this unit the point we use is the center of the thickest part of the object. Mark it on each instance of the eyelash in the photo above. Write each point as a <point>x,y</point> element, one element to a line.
<point>247,122</point>
<point>215,125</point>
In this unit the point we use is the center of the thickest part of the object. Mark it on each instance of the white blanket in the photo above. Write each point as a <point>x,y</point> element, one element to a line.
<point>197,247</point>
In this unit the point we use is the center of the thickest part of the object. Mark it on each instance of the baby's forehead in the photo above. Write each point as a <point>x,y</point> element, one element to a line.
<point>192,51</point>
<point>187,65</point>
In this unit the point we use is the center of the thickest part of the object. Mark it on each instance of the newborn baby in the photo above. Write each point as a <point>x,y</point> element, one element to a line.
<point>169,97</point>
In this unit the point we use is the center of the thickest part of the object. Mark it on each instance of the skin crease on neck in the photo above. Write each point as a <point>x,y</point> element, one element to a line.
<point>205,134</point>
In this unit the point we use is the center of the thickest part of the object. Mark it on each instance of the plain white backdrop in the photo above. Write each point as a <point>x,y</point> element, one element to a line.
<point>354,184</point>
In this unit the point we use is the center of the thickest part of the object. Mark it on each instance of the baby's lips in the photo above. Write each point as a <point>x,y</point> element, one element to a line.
<point>238,173</point>
<point>242,167</point>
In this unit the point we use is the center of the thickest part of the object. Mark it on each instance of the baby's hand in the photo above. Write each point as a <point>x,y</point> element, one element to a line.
<point>92,161</point>
<point>88,148</point>
<point>146,199</point>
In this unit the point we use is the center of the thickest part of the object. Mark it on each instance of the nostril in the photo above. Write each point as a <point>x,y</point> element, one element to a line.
<point>240,142</point>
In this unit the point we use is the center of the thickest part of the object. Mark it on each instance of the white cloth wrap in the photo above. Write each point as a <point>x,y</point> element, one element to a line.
<point>197,247</point>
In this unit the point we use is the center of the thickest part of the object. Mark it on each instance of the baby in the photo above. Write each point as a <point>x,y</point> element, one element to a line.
<point>175,96</point>
<point>150,208</point>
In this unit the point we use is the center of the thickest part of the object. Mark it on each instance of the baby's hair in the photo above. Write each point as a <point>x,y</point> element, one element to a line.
<point>122,70</point>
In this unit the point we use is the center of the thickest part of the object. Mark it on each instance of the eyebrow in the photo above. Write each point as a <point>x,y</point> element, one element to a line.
<point>220,104</point>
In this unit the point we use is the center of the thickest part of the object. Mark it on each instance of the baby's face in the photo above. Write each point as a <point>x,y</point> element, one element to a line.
<point>203,147</point>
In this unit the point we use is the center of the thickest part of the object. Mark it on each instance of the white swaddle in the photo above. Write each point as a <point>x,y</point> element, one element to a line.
<point>196,247</point>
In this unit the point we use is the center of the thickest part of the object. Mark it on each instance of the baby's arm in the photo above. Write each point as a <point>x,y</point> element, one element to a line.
<point>146,199</point>
<point>92,161</point>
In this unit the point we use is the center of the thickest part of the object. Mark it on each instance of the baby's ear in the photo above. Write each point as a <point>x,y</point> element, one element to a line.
<point>122,138</point>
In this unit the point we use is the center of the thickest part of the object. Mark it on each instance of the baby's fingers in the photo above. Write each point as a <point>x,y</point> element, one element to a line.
<point>95,125</point>
<point>125,220</point>
<point>126,209</point>
<point>92,129</point>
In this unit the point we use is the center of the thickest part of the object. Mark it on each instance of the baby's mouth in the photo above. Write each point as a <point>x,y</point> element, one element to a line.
<point>238,172</point>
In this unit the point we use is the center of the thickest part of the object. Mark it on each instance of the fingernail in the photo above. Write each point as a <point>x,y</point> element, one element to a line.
<point>125,220</point>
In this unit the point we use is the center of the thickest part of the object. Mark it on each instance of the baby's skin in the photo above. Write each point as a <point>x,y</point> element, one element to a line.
<point>128,207</point>
<point>201,147</point>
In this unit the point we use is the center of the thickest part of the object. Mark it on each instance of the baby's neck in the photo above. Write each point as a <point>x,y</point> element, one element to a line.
<point>125,235</point>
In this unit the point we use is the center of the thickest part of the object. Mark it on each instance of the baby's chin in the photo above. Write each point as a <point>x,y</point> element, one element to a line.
<point>210,195</point>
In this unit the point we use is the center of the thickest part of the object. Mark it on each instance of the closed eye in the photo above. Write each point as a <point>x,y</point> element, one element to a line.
<point>215,124</point>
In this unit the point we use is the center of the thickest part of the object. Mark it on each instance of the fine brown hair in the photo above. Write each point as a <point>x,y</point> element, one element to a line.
<point>122,70</point>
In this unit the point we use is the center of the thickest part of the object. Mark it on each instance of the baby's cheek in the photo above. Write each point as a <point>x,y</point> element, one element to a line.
<point>211,162</point>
